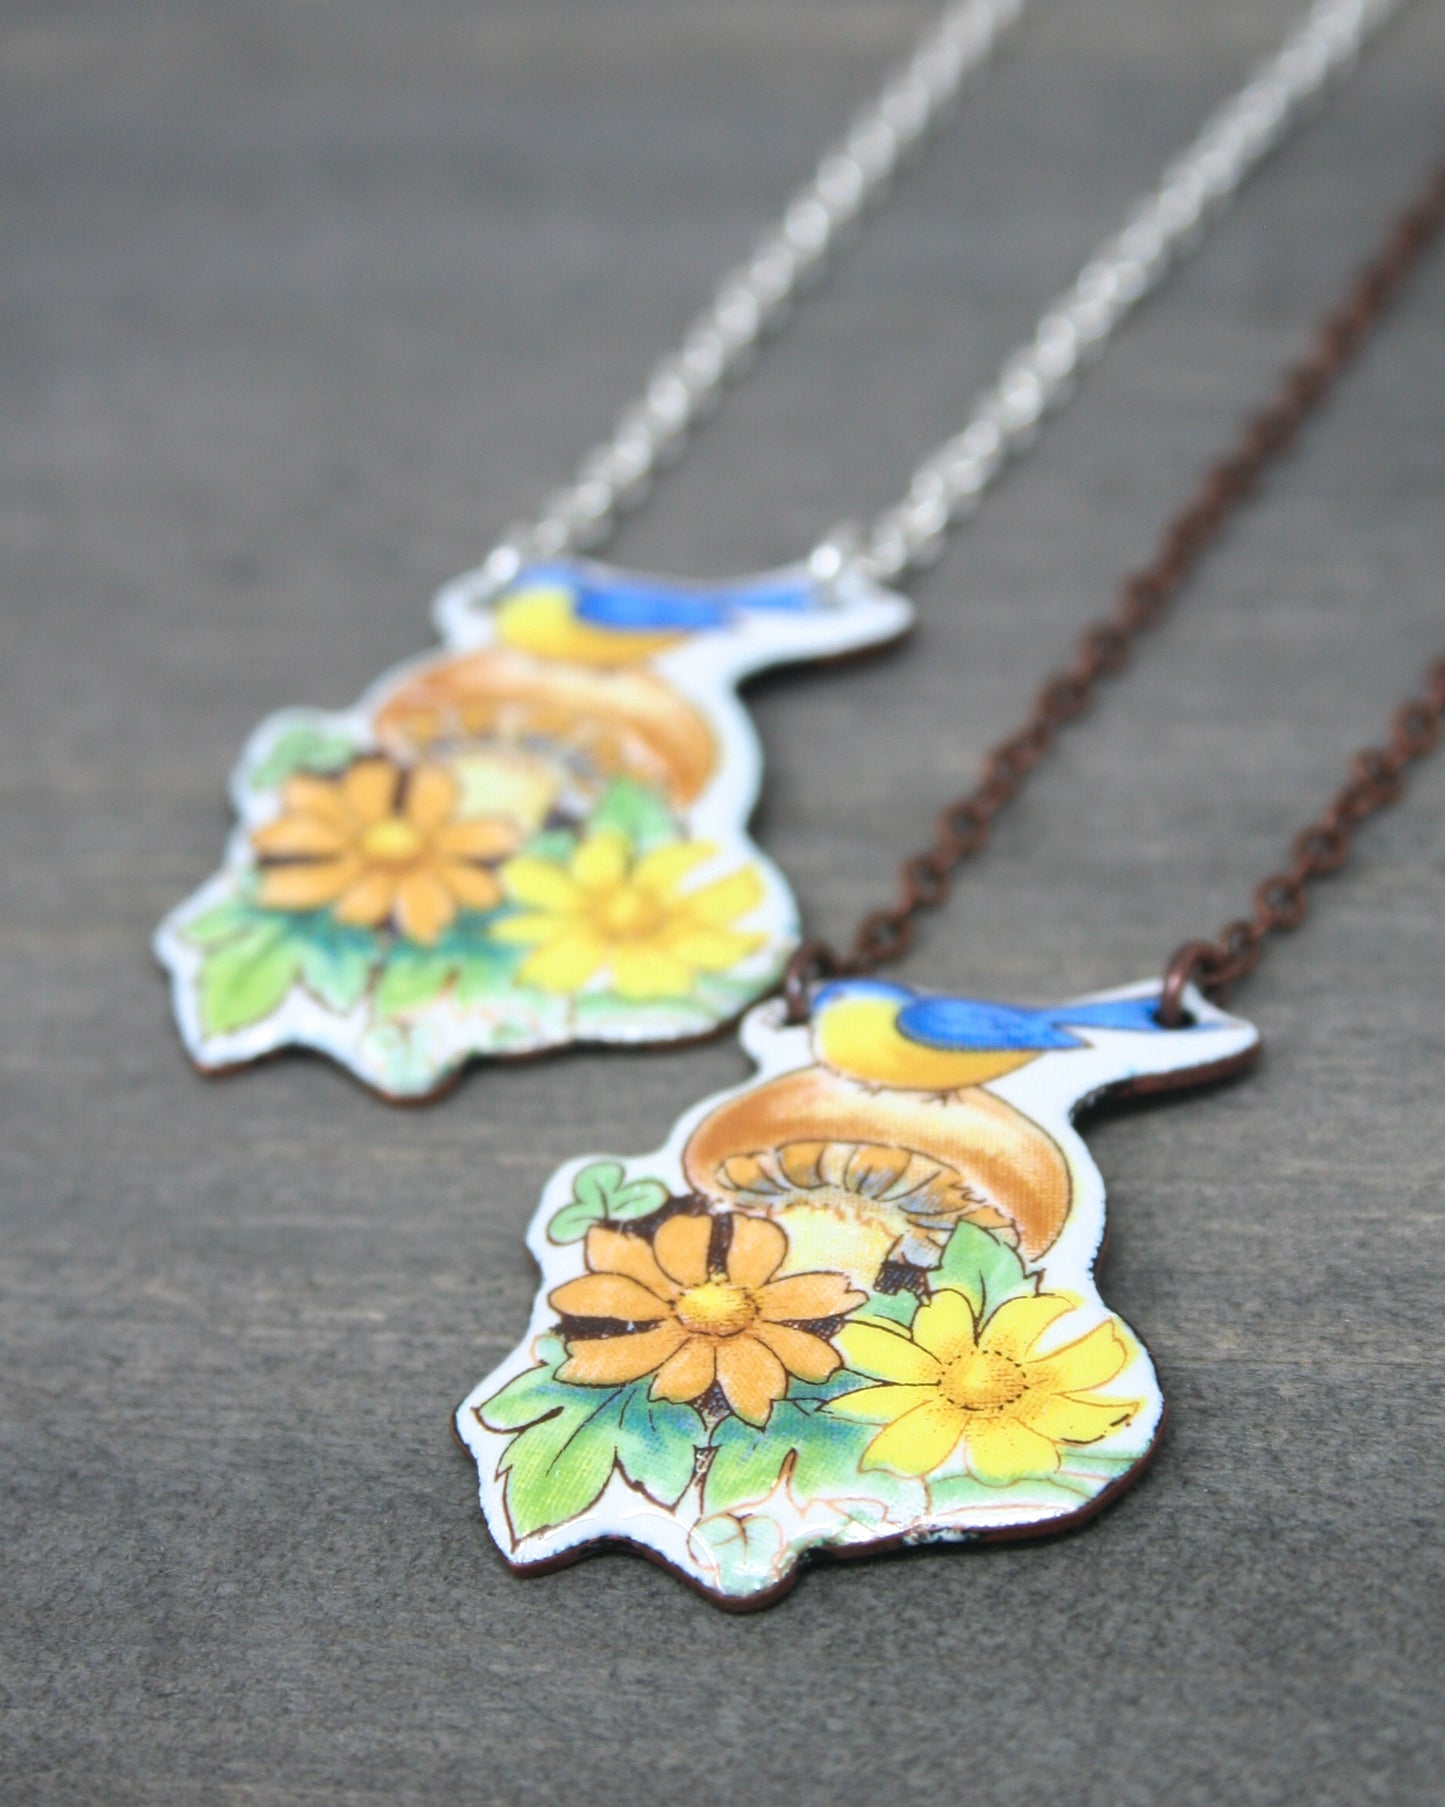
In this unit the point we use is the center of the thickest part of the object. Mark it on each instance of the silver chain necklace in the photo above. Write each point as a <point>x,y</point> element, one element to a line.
<point>1033,382</point>
<point>538,836</point>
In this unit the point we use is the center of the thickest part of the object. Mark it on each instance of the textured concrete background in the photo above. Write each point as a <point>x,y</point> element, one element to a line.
<point>300,302</point>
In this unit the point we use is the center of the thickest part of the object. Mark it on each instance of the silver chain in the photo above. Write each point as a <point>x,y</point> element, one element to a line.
<point>1033,382</point>
<point>752,301</point>
<point>1039,378</point>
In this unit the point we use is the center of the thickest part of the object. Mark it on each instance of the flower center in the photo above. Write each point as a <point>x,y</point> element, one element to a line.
<point>630,911</point>
<point>391,843</point>
<point>716,1308</point>
<point>980,1382</point>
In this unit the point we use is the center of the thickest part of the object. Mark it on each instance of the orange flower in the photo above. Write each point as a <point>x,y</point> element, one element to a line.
<point>693,1322</point>
<point>381,842</point>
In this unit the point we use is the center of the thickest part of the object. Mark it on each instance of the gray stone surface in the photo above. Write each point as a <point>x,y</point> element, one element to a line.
<point>299,302</point>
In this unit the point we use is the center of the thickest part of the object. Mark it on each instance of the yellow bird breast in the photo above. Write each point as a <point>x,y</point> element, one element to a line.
<point>860,1038</point>
<point>543,621</point>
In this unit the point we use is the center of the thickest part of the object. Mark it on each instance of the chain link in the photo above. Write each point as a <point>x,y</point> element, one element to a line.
<point>1034,383</point>
<point>1037,379</point>
<point>1281,901</point>
<point>1376,777</point>
<point>752,300</point>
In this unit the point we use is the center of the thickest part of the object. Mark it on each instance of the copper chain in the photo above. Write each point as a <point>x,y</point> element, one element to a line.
<point>962,831</point>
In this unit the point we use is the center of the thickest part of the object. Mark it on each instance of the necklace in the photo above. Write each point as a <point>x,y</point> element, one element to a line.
<point>850,1303</point>
<point>539,835</point>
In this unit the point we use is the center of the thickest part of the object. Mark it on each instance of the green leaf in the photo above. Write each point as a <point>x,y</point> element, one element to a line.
<point>572,1222</point>
<point>569,1438</point>
<point>657,1444</point>
<point>827,1455</point>
<point>337,964</point>
<point>558,1466</point>
<point>483,969</point>
<point>219,924</point>
<point>412,976</point>
<point>602,1190</point>
<point>747,1553</point>
<point>748,1461</point>
<point>595,1185</point>
<point>1101,1468</point>
<point>802,1392</point>
<point>896,1308</point>
<point>531,1395</point>
<point>555,844</point>
<point>301,749</point>
<point>639,811</point>
<point>591,1191</point>
<point>639,1198</point>
<point>955,1490</point>
<point>608,1016</point>
<point>246,979</point>
<point>982,1267</point>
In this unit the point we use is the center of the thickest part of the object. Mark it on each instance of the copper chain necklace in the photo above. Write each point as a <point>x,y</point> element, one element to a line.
<point>1281,900</point>
<point>850,1304</point>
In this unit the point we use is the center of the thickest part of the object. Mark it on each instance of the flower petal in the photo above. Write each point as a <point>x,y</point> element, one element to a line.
<point>944,1325</point>
<point>918,1442</point>
<point>660,871</point>
<point>601,861</point>
<point>369,901</point>
<point>305,887</point>
<point>720,902</point>
<point>802,1297</point>
<point>485,838</point>
<point>608,1296</point>
<point>809,1357</point>
<point>879,1405</point>
<point>304,794</point>
<point>1066,1420</point>
<point>1003,1451</point>
<point>299,837</point>
<point>648,972</point>
<point>543,884</point>
<point>615,1252</point>
<point>425,908</point>
<point>606,1361</point>
<point>431,797</point>
<point>525,930</point>
<point>565,964</point>
<point>708,950</point>
<point>688,1373</point>
<point>751,1376</point>
<point>756,1251</point>
<point>887,1354</point>
<point>370,788</point>
<point>1019,1323</point>
<point>473,887</point>
<point>1090,1361</point>
<point>681,1246</point>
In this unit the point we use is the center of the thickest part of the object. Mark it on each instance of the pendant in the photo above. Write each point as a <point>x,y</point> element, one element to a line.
<point>848,1305</point>
<point>537,836</point>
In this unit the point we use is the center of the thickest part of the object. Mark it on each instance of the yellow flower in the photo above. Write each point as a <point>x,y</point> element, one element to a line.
<point>985,1388</point>
<point>604,912</point>
<point>381,842</point>
<point>677,1311</point>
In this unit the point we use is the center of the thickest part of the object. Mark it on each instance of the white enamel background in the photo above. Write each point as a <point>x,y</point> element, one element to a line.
<point>850,613</point>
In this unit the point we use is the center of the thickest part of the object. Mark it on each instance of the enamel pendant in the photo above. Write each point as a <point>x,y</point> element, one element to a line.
<point>536,837</point>
<point>848,1305</point>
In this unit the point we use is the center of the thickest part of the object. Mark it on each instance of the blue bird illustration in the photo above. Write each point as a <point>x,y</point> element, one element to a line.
<point>611,620</point>
<point>887,1035</point>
